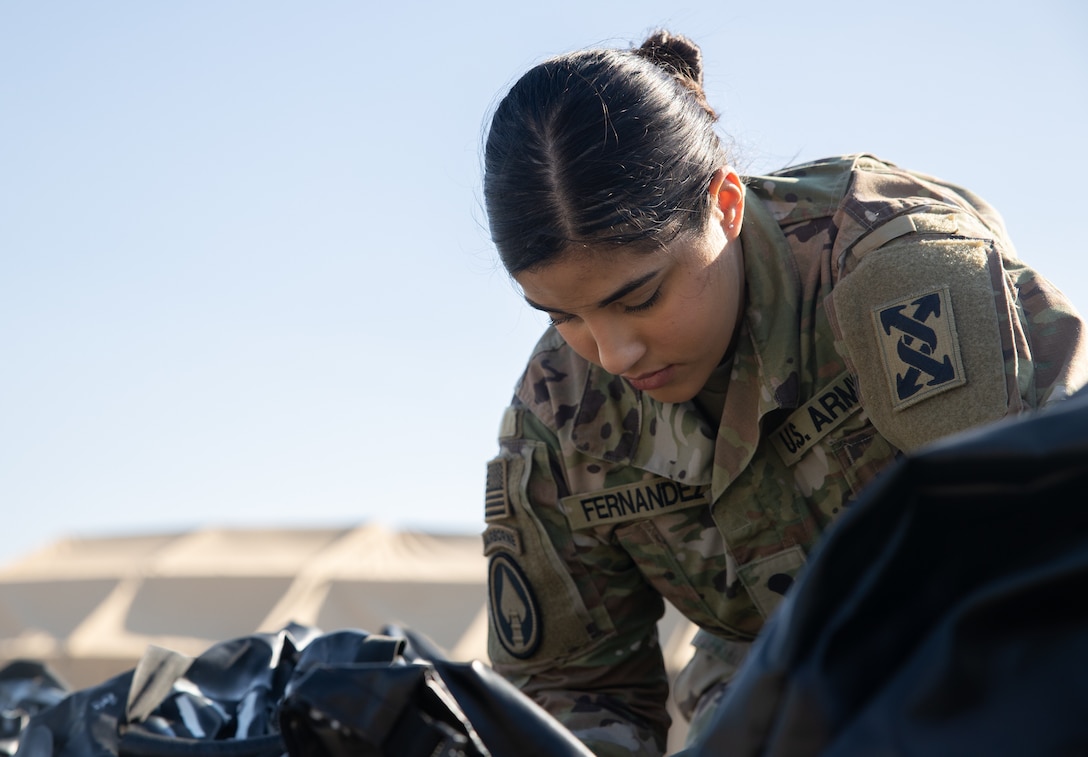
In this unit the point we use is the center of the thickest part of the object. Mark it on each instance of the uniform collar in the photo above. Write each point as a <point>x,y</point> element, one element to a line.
<point>766,362</point>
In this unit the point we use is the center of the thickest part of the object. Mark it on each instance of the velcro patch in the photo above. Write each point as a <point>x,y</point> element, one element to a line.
<point>768,579</point>
<point>919,345</point>
<point>815,419</point>
<point>897,344</point>
<point>514,610</point>
<point>642,499</point>
<point>510,425</point>
<point>502,538</point>
<point>496,502</point>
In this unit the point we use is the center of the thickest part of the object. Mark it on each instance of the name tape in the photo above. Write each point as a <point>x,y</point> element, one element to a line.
<point>817,418</point>
<point>643,499</point>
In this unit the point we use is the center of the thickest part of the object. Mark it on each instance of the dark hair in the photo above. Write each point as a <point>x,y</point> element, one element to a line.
<point>601,147</point>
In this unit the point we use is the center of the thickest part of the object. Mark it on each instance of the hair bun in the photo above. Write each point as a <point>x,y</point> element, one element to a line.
<point>682,58</point>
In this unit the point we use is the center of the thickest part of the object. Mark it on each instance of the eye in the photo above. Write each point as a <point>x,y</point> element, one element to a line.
<point>559,320</point>
<point>649,303</point>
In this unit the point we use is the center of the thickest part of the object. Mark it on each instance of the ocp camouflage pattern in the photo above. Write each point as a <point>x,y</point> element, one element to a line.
<point>573,429</point>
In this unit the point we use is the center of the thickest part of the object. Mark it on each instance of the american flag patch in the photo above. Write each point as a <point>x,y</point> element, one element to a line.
<point>496,503</point>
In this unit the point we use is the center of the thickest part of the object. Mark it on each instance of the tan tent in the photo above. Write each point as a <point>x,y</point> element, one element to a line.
<point>89,607</point>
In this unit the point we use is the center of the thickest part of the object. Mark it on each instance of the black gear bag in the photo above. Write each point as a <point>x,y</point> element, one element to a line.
<point>300,692</point>
<point>945,614</point>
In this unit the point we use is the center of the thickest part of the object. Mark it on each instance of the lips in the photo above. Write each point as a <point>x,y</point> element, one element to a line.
<point>648,382</point>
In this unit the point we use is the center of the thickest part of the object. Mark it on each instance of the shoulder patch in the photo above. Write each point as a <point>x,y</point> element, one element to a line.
<point>919,346</point>
<point>923,373</point>
<point>496,500</point>
<point>498,537</point>
<point>513,606</point>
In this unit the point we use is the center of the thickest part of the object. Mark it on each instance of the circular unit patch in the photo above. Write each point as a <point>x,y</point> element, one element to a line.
<point>514,609</point>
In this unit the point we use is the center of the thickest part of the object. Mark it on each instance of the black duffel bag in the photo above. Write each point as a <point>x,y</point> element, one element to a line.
<point>944,614</point>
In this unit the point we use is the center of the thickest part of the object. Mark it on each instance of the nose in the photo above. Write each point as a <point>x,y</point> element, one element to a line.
<point>619,347</point>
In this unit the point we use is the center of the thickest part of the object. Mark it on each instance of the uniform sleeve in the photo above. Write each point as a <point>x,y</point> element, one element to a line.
<point>1047,340</point>
<point>572,623</point>
<point>947,330</point>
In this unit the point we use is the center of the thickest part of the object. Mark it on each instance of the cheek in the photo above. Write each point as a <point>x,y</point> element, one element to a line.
<point>670,332</point>
<point>707,326</point>
<point>682,320</point>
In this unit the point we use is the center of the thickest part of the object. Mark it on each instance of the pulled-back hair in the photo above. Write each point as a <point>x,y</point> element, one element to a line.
<point>601,147</point>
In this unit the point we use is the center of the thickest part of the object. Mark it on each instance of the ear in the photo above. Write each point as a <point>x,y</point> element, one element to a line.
<point>727,195</point>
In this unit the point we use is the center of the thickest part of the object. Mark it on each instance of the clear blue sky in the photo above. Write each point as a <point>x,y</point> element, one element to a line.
<point>245,277</point>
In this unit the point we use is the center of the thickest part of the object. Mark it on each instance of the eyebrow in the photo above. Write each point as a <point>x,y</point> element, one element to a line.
<point>623,291</point>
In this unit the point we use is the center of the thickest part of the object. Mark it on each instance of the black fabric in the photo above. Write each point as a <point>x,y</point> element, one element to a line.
<point>137,744</point>
<point>26,687</point>
<point>299,692</point>
<point>523,729</point>
<point>945,614</point>
<point>370,710</point>
<point>83,724</point>
<point>462,708</point>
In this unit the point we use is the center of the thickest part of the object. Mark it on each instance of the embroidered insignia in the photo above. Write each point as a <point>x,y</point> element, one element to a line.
<point>513,606</point>
<point>815,419</point>
<point>643,499</point>
<point>919,346</point>
<point>502,537</point>
<point>496,503</point>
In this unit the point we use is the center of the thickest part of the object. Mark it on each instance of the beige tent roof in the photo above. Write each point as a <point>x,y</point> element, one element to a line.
<point>90,607</point>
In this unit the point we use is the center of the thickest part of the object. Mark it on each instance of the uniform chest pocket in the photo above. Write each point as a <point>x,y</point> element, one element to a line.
<point>682,555</point>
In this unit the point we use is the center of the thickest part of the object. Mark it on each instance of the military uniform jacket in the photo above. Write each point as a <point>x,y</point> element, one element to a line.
<point>884,309</point>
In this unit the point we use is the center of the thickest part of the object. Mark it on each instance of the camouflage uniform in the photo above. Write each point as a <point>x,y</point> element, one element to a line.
<point>884,309</point>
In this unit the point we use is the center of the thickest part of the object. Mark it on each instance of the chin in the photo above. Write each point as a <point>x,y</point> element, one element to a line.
<point>671,395</point>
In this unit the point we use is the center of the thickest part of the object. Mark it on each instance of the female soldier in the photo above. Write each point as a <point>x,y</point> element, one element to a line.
<point>730,361</point>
